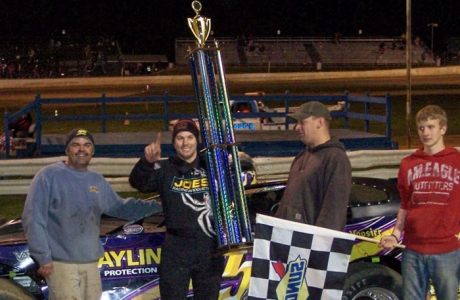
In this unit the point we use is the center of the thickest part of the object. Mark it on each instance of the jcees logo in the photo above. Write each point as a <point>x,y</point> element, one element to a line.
<point>196,185</point>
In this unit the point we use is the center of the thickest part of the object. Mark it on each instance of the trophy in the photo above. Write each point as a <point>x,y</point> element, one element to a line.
<point>231,216</point>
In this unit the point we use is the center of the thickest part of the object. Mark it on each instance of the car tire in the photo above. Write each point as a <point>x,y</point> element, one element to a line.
<point>10,290</point>
<point>372,281</point>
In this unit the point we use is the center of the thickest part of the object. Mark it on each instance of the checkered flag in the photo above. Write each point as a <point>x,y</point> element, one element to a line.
<point>298,261</point>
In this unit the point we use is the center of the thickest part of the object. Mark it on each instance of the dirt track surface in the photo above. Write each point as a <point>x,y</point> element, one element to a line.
<point>18,92</point>
<point>12,99</point>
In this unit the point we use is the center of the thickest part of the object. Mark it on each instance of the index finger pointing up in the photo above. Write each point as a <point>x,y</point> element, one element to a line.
<point>158,140</point>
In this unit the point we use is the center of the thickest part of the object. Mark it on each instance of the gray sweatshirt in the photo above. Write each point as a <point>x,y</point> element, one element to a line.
<point>63,209</point>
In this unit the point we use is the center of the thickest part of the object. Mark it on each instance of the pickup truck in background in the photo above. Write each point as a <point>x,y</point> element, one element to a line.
<point>246,115</point>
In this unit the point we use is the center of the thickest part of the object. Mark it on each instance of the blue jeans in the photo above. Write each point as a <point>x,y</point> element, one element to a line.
<point>442,269</point>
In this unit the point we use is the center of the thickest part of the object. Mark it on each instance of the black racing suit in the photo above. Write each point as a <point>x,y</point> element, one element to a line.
<point>190,242</point>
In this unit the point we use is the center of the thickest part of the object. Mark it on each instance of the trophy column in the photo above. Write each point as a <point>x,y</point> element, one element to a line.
<point>231,217</point>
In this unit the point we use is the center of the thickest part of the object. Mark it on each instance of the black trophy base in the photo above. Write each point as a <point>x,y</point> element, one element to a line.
<point>242,248</point>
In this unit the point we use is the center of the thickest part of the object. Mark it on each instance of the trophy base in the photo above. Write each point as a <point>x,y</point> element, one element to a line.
<point>242,248</point>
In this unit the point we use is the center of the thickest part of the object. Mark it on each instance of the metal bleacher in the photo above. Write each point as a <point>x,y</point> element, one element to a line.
<point>227,47</point>
<point>311,51</point>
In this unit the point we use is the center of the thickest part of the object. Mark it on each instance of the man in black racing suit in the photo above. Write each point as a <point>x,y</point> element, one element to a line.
<point>190,242</point>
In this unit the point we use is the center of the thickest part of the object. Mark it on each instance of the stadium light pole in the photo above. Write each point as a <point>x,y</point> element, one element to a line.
<point>433,25</point>
<point>408,70</point>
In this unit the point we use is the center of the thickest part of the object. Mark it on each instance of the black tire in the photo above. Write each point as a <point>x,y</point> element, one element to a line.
<point>367,281</point>
<point>10,290</point>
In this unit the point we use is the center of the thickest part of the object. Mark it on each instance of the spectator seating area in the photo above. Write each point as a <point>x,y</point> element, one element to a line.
<point>74,56</point>
<point>59,56</point>
<point>377,52</point>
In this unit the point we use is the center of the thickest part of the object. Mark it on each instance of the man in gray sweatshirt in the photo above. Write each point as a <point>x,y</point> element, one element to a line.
<point>62,216</point>
<point>319,181</point>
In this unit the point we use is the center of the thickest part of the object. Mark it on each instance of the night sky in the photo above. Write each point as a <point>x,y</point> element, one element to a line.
<point>151,26</point>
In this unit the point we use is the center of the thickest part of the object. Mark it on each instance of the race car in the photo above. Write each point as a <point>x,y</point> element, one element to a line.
<point>129,267</point>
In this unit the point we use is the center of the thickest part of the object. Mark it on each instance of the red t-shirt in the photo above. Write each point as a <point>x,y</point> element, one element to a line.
<point>430,193</point>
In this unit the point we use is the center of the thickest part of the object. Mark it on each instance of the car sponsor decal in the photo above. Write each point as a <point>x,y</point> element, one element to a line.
<point>239,126</point>
<point>133,229</point>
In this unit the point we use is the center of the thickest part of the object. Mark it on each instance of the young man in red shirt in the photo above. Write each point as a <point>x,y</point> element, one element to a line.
<point>429,216</point>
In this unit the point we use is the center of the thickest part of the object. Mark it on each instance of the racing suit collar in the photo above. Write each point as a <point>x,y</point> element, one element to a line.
<point>185,167</point>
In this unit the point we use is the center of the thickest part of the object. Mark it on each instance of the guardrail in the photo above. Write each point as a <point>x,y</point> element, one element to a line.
<point>166,115</point>
<point>17,174</point>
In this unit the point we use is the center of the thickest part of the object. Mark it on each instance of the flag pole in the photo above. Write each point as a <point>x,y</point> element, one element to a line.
<point>377,241</point>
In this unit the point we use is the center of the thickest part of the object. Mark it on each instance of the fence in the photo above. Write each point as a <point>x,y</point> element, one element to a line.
<point>166,115</point>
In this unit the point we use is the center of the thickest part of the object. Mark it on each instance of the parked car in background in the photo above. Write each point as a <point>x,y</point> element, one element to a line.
<point>247,114</point>
<point>129,267</point>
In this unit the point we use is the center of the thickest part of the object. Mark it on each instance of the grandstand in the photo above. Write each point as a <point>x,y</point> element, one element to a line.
<point>314,52</point>
<point>102,56</point>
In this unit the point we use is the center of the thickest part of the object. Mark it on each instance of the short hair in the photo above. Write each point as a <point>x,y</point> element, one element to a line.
<point>432,112</point>
<point>327,122</point>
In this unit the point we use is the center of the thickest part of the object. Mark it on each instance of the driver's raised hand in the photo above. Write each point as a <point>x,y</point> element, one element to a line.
<point>153,151</point>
